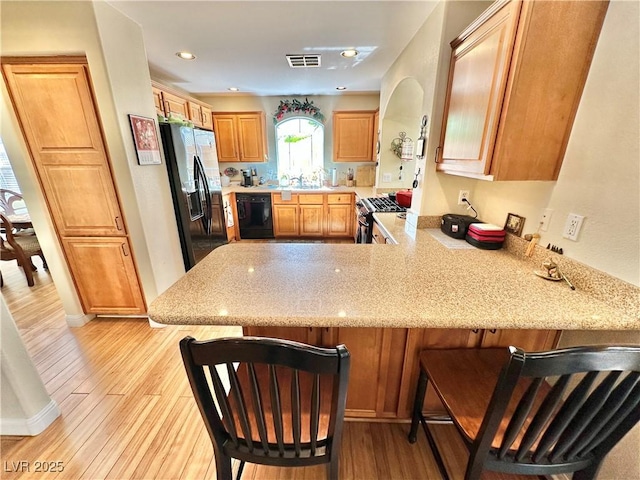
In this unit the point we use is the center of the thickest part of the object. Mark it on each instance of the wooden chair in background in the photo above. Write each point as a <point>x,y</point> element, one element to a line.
<point>20,248</point>
<point>12,203</point>
<point>533,413</point>
<point>283,405</point>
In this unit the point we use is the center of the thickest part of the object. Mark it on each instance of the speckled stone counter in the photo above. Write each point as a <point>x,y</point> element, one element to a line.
<point>417,283</point>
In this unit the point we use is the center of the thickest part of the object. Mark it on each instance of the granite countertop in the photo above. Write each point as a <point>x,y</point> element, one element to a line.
<point>360,191</point>
<point>417,283</point>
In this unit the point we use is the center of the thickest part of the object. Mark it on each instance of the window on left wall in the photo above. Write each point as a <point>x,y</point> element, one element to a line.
<point>7,178</point>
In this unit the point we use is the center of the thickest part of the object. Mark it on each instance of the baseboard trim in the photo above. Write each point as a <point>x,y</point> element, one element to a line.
<point>30,426</point>
<point>79,320</point>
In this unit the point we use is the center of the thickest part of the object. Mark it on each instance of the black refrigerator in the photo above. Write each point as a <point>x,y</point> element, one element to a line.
<point>194,177</point>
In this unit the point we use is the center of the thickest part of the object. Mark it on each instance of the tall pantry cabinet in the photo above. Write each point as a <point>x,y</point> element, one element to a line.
<point>53,100</point>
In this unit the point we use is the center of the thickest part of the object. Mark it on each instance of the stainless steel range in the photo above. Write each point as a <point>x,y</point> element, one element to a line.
<point>365,210</point>
<point>382,204</point>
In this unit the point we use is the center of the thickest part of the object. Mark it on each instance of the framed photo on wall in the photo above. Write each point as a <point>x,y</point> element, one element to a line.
<point>514,224</point>
<point>145,139</point>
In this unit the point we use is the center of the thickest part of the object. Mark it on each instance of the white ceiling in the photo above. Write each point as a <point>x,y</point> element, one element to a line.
<point>243,43</point>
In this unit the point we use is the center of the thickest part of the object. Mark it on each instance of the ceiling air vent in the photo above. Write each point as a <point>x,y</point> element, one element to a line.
<point>303,61</point>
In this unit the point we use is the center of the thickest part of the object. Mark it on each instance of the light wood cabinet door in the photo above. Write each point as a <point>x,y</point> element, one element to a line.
<point>207,120</point>
<point>240,137</point>
<point>67,147</point>
<point>339,220</point>
<point>157,101</point>
<point>365,347</point>
<point>311,220</point>
<point>226,138</point>
<point>477,82</point>
<point>195,113</point>
<point>515,82</point>
<point>175,106</point>
<point>251,137</point>
<point>528,340</point>
<point>353,136</point>
<point>104,274</point>
<point>285,221</point>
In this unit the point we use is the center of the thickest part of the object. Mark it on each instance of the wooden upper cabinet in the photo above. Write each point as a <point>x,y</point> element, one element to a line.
<point>175,106</point>
<point>195,113</point>
<point>169,102</point>
<point>200,115</point>
<point>207,120</point>
<point>157,101</point>
<point>240,136</point>
<point>55,106</point>
<point>226,138</point>
<point>353,136</point>
<point>376,137</point>
<point>515,82</point>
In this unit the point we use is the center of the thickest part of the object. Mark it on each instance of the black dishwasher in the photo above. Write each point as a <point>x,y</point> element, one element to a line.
<point>254,215</point>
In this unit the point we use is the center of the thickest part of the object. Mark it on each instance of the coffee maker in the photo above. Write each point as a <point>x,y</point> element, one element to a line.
<point>246,178</point>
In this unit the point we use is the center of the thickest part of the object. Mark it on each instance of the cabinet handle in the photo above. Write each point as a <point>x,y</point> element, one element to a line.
<point>493,330</point>
<point>118,223</point>
<point>437,150</point>
<point>125,249</point>
<point>475,330</point>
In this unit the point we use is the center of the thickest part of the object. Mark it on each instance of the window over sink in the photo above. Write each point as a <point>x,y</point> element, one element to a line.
<point>300,149</point>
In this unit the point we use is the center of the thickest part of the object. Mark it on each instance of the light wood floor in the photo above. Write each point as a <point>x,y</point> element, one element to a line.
<point>128,412</point>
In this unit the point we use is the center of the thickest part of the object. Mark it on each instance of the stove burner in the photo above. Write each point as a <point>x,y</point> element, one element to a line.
<point>383,204</point>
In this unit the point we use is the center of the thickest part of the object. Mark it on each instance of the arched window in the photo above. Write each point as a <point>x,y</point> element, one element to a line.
<point>300,147</point>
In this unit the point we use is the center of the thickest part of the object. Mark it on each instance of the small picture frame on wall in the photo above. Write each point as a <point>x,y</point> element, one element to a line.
<point>145,139</point>
<point>514,224</point>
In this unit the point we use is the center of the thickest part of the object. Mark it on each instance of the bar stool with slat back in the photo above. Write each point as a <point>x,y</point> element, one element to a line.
<point>533,413</point>
<point>269,401</point>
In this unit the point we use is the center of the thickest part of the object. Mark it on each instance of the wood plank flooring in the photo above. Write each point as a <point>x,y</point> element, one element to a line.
<point>128,412</point>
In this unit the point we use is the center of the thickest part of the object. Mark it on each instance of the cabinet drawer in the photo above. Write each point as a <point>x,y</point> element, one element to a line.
<point>277,198</point>
<point>313,199</point>
<point>339,198</point>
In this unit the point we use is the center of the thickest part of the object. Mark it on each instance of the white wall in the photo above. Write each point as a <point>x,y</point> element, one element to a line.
<point>117,62</point>
<point>25,406</point>
<point>327,104</point>
<point>143,189</point>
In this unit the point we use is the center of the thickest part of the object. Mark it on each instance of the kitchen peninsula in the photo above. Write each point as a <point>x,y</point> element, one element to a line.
<point>386,302</point>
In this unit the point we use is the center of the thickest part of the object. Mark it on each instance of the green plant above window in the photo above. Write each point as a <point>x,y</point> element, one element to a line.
<point>297,107</point>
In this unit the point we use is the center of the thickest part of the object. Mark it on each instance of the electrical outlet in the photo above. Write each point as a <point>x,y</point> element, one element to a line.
<point>572,227</point>
<point>463,195</point>
<point>386,177</point>
<point>545,219</point>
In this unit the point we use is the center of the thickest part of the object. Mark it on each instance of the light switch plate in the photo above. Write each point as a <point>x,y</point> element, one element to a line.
<point>386,177</point>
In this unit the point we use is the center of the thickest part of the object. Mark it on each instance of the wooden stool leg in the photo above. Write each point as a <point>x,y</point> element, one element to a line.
<point>417,406</point>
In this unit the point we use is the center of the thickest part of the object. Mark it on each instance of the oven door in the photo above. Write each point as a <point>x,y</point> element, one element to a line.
<point>363,227</point>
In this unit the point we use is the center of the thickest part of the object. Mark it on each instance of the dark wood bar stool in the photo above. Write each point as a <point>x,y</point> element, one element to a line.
<point>533,413</point>
<point>283,405</point>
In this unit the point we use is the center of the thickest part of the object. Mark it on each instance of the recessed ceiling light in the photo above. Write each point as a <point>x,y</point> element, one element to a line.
<point>186,55</point>
<point>234,89</point>
<point>349,53</point>
<point>341,88</point>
